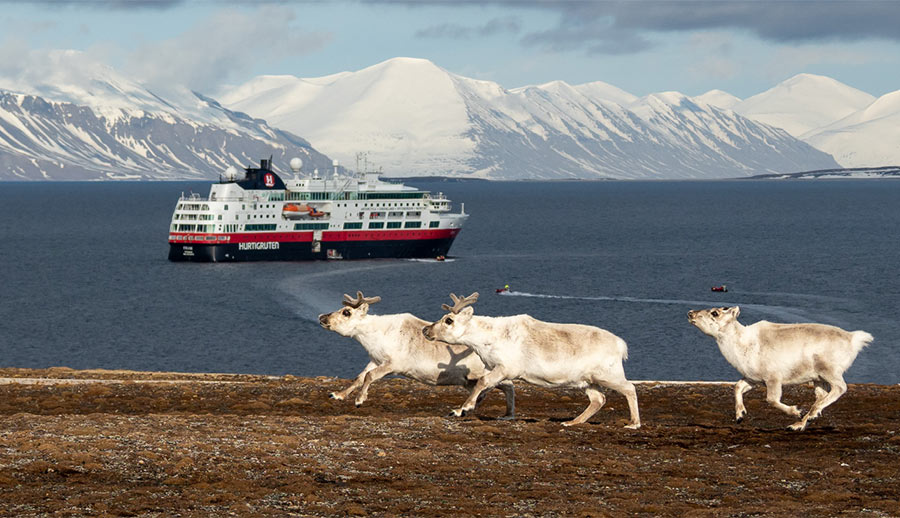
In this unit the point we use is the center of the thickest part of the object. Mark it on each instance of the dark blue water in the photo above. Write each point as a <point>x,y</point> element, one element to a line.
<point>85,282</point>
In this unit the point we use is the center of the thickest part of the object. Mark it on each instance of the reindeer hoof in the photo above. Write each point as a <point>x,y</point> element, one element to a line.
<point>798,427</point>
<point>456,413</point>
<point>334,395</point>
<point>633,426</point>
<point>739,419</point>
<point>507,418</point>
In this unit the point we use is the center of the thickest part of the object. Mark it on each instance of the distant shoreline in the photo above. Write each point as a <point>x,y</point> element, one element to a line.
<point>890,172</point>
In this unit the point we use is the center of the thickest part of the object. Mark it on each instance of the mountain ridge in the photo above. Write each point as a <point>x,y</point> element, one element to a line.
<point>553,130</point>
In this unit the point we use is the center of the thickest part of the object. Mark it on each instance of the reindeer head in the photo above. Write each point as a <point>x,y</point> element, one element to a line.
<point>452,325</point>
<point>344,320</point>
<point>712,321</point>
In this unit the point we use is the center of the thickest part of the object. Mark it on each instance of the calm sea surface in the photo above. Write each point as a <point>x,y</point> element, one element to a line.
<point>85,283</point>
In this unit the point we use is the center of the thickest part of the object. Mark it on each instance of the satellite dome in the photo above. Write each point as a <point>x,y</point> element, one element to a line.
<point>296,164</point>
<point>231,173</point>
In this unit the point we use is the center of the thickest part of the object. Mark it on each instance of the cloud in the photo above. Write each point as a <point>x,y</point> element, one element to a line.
<point>102,4</point>
<point>222,47</point>
<point>621,27</point>
<point>455,31</point>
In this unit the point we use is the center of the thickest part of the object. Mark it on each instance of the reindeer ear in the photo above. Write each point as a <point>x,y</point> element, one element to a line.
<point>466,312</point>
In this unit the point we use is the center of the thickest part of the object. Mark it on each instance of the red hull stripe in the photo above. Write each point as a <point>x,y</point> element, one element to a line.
<point>307,236</point>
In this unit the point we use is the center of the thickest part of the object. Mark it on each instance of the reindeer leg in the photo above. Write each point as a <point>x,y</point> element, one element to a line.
<point>739,409</point>
<point>356,383</point>
<point>838,387</point>
<point>597,399</point>
<point>773,396</point>
<point>373,375</point>
<point>510,392</point>
<point>486,382</point>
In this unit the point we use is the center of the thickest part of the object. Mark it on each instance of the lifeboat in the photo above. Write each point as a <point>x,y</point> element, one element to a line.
<point>295,211</point>
<point>720,289</point>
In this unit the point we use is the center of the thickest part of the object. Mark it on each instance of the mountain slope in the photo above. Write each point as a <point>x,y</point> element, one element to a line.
<point>804,103</point>
<point>719,99</point>
<point>84,121</point>
<point>421,119</point>
<point>867,138</point>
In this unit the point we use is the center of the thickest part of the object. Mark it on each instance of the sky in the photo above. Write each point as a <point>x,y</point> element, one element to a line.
<point>642,47</point>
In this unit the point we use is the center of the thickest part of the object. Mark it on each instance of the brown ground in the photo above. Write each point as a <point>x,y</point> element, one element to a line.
<point>224,445</point>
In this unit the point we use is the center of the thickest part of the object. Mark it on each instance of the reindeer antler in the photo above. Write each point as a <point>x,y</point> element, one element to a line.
<point>359,300</point>
<point>459,304</point>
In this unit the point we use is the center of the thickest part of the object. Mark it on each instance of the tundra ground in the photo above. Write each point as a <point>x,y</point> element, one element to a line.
<point>167,445</point>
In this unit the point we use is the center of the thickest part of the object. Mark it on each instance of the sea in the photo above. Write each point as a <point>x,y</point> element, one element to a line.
<point>85,281</point>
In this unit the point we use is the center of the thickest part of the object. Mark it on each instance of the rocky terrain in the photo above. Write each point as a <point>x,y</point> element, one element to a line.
<point>166,445</point>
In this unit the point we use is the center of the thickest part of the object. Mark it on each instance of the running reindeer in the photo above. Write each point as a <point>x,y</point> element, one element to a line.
<point>396,346</point>
<point>783,354</point>
<point>542,353</point>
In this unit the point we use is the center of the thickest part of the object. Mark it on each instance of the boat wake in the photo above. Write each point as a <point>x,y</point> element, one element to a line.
<point>783,312</point>
<point>448,260</point>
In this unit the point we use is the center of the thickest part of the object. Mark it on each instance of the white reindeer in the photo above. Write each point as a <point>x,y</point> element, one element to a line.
<point>542,353</point>
<point>396,346</point>
<point>783,354</point>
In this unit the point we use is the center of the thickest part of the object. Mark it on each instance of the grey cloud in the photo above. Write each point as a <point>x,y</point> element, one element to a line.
<point>456,31</point>
<point>797,20</point>
<point>222,47</point>
<point>618,27</point>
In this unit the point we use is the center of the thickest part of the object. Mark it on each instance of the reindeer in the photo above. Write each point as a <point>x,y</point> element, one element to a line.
<point>783,354</point>
<point>542,353</point>
<point>396,346</point>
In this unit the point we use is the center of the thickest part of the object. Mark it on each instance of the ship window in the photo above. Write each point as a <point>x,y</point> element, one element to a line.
<point>353,225</point>
<point>310,226</point>
<point>226,207</point>
<point>434,224</point>
<point>413,224</point>
<point>261,226</point>
<point>394,224</point>
<point>376,224</point>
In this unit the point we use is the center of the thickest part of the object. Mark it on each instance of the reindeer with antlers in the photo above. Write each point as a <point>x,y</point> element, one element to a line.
<point>396,346</point>
<point>542,353</point>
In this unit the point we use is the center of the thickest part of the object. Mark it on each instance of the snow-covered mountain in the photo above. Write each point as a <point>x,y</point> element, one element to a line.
<point>804,103</point>
<point>719,99</point>
<point>869,137</point>
<point>72,119</point>
<point>420,119</point>
<point>854,127</point>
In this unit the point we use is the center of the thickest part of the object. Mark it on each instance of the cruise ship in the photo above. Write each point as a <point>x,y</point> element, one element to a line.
<point>263,217</point>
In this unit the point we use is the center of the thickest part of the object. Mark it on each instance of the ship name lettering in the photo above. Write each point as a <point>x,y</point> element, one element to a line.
<point>263,245</point>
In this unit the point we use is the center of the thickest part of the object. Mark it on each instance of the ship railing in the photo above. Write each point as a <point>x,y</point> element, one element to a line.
<point>247,197</point>
<point>194,196</point>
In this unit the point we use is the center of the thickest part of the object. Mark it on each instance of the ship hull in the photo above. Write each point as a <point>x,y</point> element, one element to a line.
<point>306,251</point>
